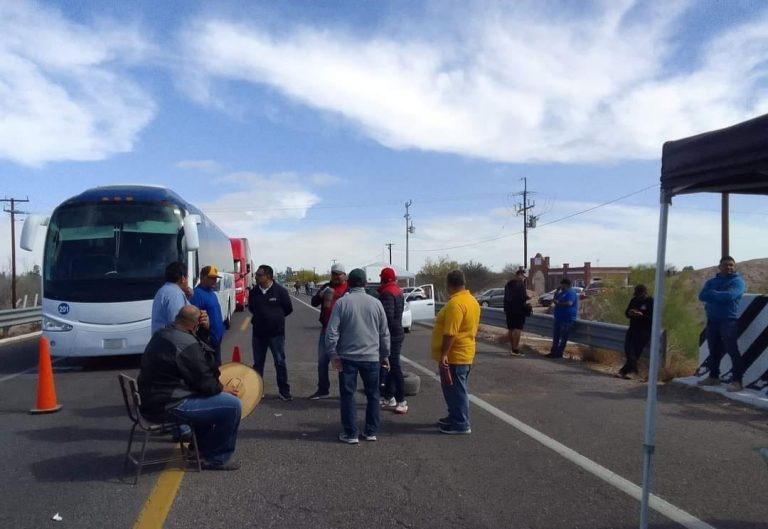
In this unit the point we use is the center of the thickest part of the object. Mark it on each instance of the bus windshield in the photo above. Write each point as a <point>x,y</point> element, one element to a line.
<point>110,252</point>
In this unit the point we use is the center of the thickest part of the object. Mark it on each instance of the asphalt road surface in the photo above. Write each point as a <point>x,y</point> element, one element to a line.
<point>554,445</point>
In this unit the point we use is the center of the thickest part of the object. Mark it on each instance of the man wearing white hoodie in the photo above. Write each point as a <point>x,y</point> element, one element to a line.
<point>357,341</point>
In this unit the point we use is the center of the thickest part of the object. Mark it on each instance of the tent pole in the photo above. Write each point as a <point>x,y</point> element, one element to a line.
<point>725,235</point>
<point>653,370</point>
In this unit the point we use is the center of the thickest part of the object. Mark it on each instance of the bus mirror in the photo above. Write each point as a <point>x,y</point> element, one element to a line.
<point>190,232</point>
<point>29,231</point>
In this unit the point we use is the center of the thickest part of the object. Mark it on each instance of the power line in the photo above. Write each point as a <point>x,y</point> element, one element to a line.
<point>491,239</point>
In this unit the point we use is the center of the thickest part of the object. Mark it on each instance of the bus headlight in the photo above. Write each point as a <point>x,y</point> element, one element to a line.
<point>52,325</point>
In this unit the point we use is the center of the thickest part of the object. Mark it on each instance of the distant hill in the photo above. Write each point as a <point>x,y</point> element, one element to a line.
<point>754,273</point>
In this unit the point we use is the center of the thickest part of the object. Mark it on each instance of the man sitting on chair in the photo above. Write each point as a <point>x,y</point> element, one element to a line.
<point>178,377</point>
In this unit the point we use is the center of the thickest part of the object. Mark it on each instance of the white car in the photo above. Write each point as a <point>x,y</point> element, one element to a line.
<point>416,308</point>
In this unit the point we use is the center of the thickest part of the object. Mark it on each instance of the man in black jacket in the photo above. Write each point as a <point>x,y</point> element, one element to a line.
<point>178,377</point>
<point>269,304</point>
<point>515,310</point>
<point>393,301</point>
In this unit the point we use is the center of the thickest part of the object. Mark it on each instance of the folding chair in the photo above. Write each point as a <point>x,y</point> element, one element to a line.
<point>151,430</point>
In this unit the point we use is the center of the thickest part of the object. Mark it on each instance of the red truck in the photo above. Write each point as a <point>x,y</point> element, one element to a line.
<point>241,253</point>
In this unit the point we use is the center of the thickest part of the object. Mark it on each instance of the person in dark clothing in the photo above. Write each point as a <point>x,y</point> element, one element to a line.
<point>515,302</point>
<point>178,377</point>
<point>326,298</point>
<point>639,311</point>
<point>269,304</point>
<point>393,301</point>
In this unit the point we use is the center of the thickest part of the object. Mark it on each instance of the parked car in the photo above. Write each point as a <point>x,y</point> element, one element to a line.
<point>545,300</point>
<point>493,297</point>
<point>415,309</point>
<point>595,288</point>
<point>414,293</point>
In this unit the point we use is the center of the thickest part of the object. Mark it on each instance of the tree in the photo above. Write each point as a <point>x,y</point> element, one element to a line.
<point>434,272</point>
<point>477,275</point>
<point>510,269</point>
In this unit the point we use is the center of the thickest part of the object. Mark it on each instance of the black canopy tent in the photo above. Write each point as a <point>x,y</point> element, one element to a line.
<point>730,160</point>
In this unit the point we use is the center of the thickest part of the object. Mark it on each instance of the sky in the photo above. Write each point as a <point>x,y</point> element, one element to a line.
<point>306,126</point>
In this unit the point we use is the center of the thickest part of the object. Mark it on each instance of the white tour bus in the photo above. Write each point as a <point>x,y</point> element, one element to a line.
<point>104,259</point>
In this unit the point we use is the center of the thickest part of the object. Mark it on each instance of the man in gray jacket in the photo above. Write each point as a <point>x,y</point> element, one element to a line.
<point>357,341</point>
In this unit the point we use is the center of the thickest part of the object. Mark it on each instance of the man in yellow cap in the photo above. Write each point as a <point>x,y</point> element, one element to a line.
<point>205,298</point>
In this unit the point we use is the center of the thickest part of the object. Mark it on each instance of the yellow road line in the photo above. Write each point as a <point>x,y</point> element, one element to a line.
<point>160,501</point>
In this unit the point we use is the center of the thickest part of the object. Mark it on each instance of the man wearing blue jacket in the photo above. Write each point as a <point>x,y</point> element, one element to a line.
<point>205,298</point>
<point>566,304</point>
<point>721,296</point>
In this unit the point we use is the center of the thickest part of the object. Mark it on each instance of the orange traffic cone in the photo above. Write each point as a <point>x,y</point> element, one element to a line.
<point>46,391</point>
<point>236,354</point>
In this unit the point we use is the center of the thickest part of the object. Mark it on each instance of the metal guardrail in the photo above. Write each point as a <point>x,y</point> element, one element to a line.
<point>590,333</point>
<point>11,317</point>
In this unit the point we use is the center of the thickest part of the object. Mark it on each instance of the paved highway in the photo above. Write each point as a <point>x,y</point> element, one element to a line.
<point>554,445</point>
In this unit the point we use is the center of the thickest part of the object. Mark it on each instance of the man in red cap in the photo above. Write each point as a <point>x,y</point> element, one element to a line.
<point>391,297</point>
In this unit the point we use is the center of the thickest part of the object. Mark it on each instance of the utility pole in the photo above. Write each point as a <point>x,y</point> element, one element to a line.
<point>13,211</point>
<point>529,221</point>
<point>389,245</point>
<point>409,228</point>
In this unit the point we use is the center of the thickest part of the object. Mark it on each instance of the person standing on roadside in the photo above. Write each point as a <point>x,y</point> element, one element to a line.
<point>721,296</point>
<point>206,299</point>
<point>639,311</point>
<point>566,302</point>
<point>357,342</point>
<point>453,348</point>
<point>393,301</point>
<point>515,309</point>
<point>170,297</point>
<point>326,298</point>
<point>269,304</point>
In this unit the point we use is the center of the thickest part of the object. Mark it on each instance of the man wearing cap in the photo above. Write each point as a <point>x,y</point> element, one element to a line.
<point>357,342</point>
<point>566,302</point>
<point>393,301</point>
<point>326,298</point>
<point>269,304</point>
<point>515,305</point>
<point>177,377</point>
<point>205,299</point>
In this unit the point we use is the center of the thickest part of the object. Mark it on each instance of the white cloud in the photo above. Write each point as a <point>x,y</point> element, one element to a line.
<point>206,166</point>
<point>508,85</point>
<point>63,94</point>
<point>257,200</point>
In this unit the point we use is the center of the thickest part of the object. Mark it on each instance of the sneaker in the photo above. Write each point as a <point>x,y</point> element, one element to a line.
<point>444,421</point>
<point>450,430</point>
<point>401,408</point>
<point>388,403</point>
<point>370,437</point>
<point>344,438</point>
<point>317,395</point>
<point>553,355</point>
<point>734,386</point>
<point>286,397</point>
<point>709,381</point>
<point>229,465</point>
<point>625,376</point>
<point>516,352</point>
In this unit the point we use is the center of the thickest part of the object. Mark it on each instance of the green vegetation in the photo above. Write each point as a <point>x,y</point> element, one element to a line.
<point>478,276</point>
<point>683,314</point>
<point>27,284</point>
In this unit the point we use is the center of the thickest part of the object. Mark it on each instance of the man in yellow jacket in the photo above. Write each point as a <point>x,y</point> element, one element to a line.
<point>453,347</point>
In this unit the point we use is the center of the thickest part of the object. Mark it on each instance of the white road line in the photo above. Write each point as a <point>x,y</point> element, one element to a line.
<point>634,491</point>
<point>659,505</point>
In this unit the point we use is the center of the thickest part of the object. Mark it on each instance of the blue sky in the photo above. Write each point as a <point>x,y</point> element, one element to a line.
<point>305,125</point>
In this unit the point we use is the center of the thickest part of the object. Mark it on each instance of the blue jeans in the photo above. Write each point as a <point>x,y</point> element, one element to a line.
<point>560,337</point>
<point>394,385</point>
<point>369,372</point>
<point>457,396</point>
<point>276,344</point>
<point>722,337</point>
<point>323,380</point>
<point>215,420</point>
